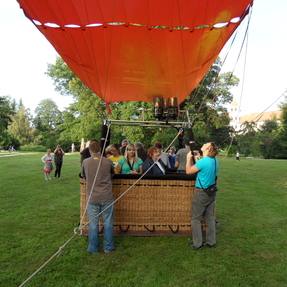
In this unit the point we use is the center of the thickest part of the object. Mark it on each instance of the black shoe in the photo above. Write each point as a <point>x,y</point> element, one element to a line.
<point>209,245</point>
<point>196,248</point>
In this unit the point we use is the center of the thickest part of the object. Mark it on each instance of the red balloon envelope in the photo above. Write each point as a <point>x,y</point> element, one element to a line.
<point>133,50</point>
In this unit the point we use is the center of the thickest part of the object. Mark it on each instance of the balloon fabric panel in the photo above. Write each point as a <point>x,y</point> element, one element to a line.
<point>136,50</point>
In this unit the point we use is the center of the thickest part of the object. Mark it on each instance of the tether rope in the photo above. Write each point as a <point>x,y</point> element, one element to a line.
<point>68,241</point>
<point>61,248</point>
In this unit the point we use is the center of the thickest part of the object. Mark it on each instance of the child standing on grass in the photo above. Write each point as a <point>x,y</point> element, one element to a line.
<point>47,159</point>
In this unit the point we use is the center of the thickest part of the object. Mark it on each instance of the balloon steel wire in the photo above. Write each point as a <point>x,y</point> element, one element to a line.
<point>245,39</point>
<point>212,83</point>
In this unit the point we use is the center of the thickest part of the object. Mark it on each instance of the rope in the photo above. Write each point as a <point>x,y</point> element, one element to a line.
<point>81,221</point>
<point>48,261</point>
<point>61,248</point>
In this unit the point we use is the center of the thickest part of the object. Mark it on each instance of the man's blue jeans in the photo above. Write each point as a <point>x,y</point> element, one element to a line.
<point>107,215</point>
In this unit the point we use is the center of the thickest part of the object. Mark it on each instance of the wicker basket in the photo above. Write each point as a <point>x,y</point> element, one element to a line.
<point>152,207</point>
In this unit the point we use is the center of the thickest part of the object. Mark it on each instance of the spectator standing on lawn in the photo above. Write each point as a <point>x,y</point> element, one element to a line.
<point>47,159</point>
<point>101,197</point>
<point>203,204</point>
<point>58,160</point>
<point>237,155</point>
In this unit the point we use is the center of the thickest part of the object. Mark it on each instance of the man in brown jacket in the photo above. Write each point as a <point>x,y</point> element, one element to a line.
<point>101,197</point>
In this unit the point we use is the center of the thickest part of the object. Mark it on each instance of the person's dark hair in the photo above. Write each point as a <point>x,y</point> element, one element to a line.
<point>158,145</point>
<point>94,146</point>
<point>213,150</point>
<point>141,150</point>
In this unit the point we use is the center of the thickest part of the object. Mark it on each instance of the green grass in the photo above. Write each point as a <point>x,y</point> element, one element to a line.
<point>36,217</point>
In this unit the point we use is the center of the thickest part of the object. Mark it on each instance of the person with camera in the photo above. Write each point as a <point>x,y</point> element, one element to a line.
<point>203,201</point>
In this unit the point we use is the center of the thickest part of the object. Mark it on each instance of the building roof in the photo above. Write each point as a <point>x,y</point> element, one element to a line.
<point>267,116</point>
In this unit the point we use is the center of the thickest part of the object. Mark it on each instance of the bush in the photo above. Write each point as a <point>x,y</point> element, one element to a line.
<point>31,147</point>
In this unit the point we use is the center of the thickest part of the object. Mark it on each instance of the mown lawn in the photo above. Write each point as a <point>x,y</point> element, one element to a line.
<point>36,217</point>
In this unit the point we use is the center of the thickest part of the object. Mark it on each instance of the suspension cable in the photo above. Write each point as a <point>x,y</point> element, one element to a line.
<point>217,76</point>
<point>259,116</point>
<point>243,77</point>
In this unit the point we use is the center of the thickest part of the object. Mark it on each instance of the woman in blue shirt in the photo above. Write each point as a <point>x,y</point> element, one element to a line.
<point>203,204</point>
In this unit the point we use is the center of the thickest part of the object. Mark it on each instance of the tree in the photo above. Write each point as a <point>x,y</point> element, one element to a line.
<point>85,115</point>
<point>47,122</point>
<point>6,113</point>
<point>281,149</point>
<point>20,128</point>
<point>248,139</point>
<point>206,105</point>
<point>269,138</point>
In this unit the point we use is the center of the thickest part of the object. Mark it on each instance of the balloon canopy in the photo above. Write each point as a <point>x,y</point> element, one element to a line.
<point>134,50</point>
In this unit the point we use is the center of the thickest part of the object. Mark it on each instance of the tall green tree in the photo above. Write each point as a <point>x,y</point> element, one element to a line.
<point>207,106</point>
<point>269,138</point>
<point>6,113</point>
<point>281,151</point>
<point>88,111</point>
<point>248,140</point>
<point>20,127</point>
<point>47,122</point>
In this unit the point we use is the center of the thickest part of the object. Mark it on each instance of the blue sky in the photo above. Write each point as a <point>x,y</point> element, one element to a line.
<point>25,53</point>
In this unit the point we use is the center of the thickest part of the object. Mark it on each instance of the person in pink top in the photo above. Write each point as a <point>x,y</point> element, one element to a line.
<point>47,159</point>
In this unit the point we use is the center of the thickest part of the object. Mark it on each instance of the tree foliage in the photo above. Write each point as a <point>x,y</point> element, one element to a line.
<point>269,141</point>
<point>20,127</point>
<point>47,122</point>
<point>88,111</point>
<point>6,113</point>
<point>207,106</point>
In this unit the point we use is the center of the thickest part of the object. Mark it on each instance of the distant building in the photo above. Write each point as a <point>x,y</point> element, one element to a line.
<point>236,120</point>
<point>233,112</point>
<point>259,118</point>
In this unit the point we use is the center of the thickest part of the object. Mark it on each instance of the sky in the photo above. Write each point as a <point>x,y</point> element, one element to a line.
<point>25,54</point>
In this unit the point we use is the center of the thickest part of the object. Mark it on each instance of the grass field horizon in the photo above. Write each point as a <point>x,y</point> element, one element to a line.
<point>37,217</point>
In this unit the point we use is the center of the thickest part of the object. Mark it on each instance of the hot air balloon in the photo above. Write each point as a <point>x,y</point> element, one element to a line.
<point>136,50</point>
<point>139,50</point>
